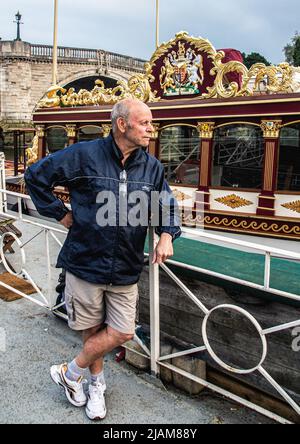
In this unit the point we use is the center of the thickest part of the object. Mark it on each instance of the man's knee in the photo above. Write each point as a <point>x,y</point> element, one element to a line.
<point>87,334</point>
<point>120,338</point>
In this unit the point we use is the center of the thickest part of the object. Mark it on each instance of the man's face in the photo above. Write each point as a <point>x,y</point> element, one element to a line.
<point>138,128</point>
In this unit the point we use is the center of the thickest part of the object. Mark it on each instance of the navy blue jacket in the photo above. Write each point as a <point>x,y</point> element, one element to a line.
<point>103,255</point>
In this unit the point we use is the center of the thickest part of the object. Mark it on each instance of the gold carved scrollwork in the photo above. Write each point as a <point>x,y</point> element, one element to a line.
<point>206,129</point>
<point>52,97</point>
<point>273,78</point>
<point>269,79</point>
<point>138,87</point>
<point>271,128</point>
<point>40,131</point>
<point>106,129</point>
<point>223,89</point>
<point>33,151</point>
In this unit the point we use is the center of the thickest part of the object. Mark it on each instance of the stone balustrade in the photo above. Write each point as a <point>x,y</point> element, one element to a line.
<point>16,49</point>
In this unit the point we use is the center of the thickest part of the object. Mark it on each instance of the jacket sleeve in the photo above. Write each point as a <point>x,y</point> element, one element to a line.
<point>43,176</point>
<point>169,215</point>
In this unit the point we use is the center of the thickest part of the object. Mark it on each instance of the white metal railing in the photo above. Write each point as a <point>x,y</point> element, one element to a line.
<point>158,361</point>
<point>268,252</point>
<point>46,299</point>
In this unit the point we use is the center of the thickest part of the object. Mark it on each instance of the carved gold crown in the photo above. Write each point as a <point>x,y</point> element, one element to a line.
<point>181,52</point>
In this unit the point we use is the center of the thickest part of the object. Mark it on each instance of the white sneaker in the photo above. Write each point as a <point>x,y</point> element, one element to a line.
<point>95,408</point>
<point>73,389</point>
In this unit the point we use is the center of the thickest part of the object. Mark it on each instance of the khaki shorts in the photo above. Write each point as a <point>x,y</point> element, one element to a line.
<point>89,305</point>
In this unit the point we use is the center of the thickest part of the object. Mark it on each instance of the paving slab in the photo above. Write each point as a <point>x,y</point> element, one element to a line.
<point>35,340</point>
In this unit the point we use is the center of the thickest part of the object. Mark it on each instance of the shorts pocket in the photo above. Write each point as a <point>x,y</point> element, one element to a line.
<point>70,305</point>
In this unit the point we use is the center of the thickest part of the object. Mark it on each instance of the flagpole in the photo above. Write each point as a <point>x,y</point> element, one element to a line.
<point>54,64</point>
<point>157,23</point>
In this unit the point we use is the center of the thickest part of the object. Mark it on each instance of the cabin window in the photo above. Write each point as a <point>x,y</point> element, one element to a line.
<point>56,139</point>
<point>180,154</point>
<point>238,157</point>
<point>89,133</point>
<point>289,159</point>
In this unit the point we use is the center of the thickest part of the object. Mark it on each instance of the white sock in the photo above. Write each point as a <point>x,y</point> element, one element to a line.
<point>98,378</point>
<point>74,372</point>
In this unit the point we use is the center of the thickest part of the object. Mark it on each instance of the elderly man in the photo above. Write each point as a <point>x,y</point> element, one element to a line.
<point>103,261</point>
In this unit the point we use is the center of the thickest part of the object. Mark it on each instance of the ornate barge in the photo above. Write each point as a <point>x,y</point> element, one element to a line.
<point>228,136</point>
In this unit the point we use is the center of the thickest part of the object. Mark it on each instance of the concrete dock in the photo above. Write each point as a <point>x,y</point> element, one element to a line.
<point>32,339</point>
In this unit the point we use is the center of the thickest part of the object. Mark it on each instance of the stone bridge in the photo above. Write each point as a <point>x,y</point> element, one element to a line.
<point>26,72</point>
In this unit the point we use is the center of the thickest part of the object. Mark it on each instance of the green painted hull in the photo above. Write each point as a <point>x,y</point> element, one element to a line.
<point>285,274</point>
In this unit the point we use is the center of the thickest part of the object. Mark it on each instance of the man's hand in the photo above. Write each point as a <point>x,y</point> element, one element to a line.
<point>67,221</point>
<point>163,250</point>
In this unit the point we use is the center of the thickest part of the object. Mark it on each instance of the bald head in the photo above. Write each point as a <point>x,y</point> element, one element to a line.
<point>124,109</point>
<point>132,123</point>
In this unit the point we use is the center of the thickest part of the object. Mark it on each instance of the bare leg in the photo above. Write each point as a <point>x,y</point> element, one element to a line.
<point>97,366</point>
<point>98,345</point>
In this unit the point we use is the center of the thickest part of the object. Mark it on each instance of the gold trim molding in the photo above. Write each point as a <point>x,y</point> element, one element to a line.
<point>223,223</point>
<point>271,128</point>
<point>71,130</point>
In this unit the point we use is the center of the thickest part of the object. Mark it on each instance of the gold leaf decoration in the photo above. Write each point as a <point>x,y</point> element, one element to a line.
<point>293,206</point>
<point>179,195</point>
<point>32,153</point>
<point>234,201</point>
<point>259,78</point>
<point>271,128</point>
<point>137,87</point>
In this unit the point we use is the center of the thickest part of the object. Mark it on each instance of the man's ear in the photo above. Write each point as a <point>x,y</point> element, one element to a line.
<point>121,125</point>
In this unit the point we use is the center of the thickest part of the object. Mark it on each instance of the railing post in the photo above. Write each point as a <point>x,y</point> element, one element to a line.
<point>3,197</point>
<point>154,306</point>
<point>267,270</point>
<point>51,294</point>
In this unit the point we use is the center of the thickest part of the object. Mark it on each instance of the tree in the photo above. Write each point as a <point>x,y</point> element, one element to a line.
<point>253,58</point>
<point>297,53</point>
<point>292,51</point>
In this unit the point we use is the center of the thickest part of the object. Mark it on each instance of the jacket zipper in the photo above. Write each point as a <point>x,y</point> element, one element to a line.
<point>123,189</point>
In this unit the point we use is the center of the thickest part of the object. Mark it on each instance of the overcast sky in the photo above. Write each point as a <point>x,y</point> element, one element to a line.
<point>128,26</point>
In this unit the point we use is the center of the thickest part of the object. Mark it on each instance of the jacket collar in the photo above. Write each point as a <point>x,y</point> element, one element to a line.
<point>136,157</point>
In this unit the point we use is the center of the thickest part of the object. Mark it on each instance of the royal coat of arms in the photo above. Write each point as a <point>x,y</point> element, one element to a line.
<point>182,72</point>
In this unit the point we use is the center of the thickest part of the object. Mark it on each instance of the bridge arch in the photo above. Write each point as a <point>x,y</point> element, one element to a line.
<point>86,79</point>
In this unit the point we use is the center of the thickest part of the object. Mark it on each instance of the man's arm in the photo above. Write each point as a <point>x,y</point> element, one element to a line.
<point>169,223</point>
<point>164,249</point>
<point>43,176</point>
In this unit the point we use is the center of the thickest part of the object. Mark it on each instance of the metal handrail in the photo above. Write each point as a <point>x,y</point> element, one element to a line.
<point>240,243</point>
<point>158,361</point>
